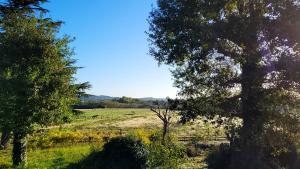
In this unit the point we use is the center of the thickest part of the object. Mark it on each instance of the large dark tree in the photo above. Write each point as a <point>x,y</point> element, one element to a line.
<point>236,58</point>
<point>36,72</point>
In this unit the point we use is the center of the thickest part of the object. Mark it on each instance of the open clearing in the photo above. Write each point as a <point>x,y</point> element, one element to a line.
<point>59,146</point>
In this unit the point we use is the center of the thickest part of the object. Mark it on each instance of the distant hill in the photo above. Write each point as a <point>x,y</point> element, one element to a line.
<point>97,98</point>
<point>104,97</point>
<point>103,101</point>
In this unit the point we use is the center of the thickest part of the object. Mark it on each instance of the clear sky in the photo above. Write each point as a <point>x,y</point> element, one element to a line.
<point>111,45</point>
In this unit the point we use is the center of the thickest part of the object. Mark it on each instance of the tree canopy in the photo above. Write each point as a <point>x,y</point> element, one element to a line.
<point>22,5</point>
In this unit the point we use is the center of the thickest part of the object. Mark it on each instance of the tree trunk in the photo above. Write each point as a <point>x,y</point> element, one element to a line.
<point>165,132</point>
<point>249,154</point>
<point>4,138</point>
<point>19,149</point>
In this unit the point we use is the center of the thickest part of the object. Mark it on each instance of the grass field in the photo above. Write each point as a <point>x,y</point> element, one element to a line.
<point>107,118</point>
<point>59,146</point>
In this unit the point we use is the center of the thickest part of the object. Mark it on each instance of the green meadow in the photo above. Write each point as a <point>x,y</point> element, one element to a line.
<point>63,146</point>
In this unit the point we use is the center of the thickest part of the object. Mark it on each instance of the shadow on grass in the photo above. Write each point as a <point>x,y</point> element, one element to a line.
<point>92,161</point>
<point>58,162</point>
<point>4,166</point>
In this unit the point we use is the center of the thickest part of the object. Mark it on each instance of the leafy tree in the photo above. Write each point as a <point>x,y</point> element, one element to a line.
<point>236,58</point>
<point>125,99</point>
<point>5,8</point>
<point>36,72</point>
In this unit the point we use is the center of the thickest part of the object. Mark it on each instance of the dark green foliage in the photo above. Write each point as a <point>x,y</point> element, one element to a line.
<point>124,153</point>
<point>36,73</point>
<point>22,5</point>
<point>118,153</point>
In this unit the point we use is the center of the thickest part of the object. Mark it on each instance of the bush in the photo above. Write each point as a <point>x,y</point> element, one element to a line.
<point>124,153</point>
<point>166,156</point>
<point>194,150</point>
<point>143,135</point>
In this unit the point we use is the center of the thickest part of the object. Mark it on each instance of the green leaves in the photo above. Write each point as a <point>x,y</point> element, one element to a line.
<point>36,68</point>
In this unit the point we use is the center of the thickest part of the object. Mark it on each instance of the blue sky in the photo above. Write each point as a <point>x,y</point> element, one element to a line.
<point>111,45</point>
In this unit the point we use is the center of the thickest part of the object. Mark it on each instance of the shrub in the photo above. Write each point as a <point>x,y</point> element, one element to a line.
<point>166,156</point>
<point>143,135</point>
<point>197,149</point>
<point>50,139</point>
<point>124,153</point>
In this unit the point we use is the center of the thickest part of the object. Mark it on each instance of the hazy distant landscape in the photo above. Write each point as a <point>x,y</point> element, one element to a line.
<point>104,97</point>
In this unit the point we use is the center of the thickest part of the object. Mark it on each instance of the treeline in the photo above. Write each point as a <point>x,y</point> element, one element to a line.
<point>123,102</point>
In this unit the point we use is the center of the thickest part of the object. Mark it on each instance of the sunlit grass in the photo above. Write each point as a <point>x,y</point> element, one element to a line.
<point>105,118</point>
<point>53,158</point>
